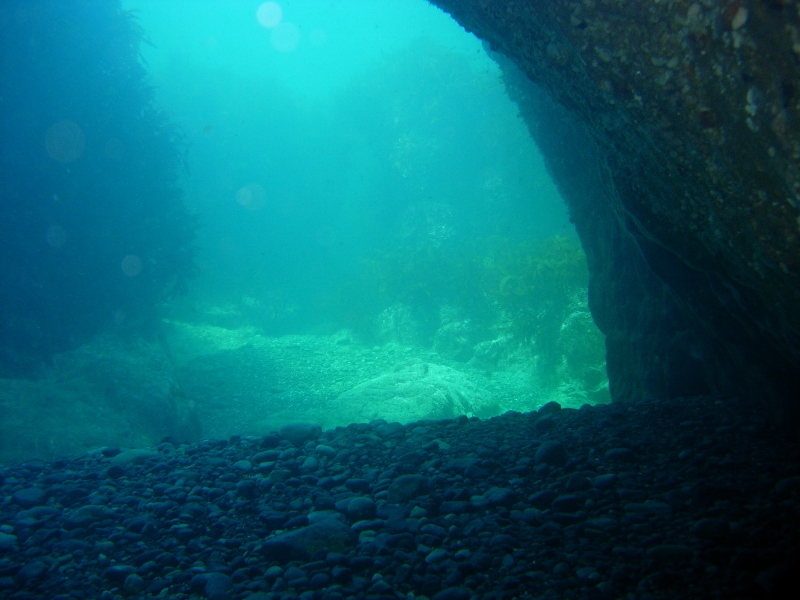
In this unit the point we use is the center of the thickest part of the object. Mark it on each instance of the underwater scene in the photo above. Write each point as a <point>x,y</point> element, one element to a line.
<point>398,299</point>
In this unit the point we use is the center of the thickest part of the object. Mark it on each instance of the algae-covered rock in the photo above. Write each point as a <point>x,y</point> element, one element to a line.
<point>133,456</point>
<point>419,390</point>
<point>454,340</point>
<point>396,323</point>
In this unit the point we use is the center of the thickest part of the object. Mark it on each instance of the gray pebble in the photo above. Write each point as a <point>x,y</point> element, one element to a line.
<point>551,453</point>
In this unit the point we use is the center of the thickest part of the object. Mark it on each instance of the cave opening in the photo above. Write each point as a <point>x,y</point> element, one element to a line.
<point>257,213</point>
<point>364,178</point>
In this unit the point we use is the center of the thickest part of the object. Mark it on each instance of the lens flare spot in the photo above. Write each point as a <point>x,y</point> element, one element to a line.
<point>285,37</point>
<point>131,265</point>
<point>269,14</point>
<point>65,142</point>
<point>56,236</point>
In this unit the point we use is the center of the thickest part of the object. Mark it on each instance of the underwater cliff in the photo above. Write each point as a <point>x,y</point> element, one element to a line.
<point>684,117</point>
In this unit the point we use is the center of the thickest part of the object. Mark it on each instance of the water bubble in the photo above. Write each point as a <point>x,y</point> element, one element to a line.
<point>285,37</point>
<point>252,197</point>
<point>56,236</point>
<point>65,142</point>
<point>269,14</point>
<point>131,265</point>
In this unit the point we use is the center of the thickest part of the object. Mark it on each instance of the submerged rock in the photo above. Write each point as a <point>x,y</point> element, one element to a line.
<point>407,487</point>
<point>29,497</point>
<point>7,541</point>
<point>551,453</point>
<point>416,391</point>
<point>133,456</point>
<point>300,433</point>
<point>302,543</point>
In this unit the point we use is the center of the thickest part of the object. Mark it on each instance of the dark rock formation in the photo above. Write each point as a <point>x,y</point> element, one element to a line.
<point>672,130</point>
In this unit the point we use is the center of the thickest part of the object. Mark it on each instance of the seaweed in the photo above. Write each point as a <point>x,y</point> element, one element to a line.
<point>528,286</point>
<point>88,177</point>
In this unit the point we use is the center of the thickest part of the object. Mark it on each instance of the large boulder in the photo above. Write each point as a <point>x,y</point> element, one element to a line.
<point>415,391</point>
<point>672,131</point>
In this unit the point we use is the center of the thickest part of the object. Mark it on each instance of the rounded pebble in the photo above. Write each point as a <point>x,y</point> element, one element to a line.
<point>584,523</point>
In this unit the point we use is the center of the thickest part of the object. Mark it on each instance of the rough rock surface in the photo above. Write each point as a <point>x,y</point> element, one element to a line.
<point>678,154</point>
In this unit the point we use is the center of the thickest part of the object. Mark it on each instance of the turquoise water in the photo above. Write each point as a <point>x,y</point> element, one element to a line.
<point>305,211</point>
<point>335,41</point>
<point>347,128</point>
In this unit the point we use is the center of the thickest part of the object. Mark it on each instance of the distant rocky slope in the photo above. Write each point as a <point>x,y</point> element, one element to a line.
<point>674,136</point>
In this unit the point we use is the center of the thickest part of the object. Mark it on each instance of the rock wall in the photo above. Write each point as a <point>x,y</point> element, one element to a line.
<point>672,129</point>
